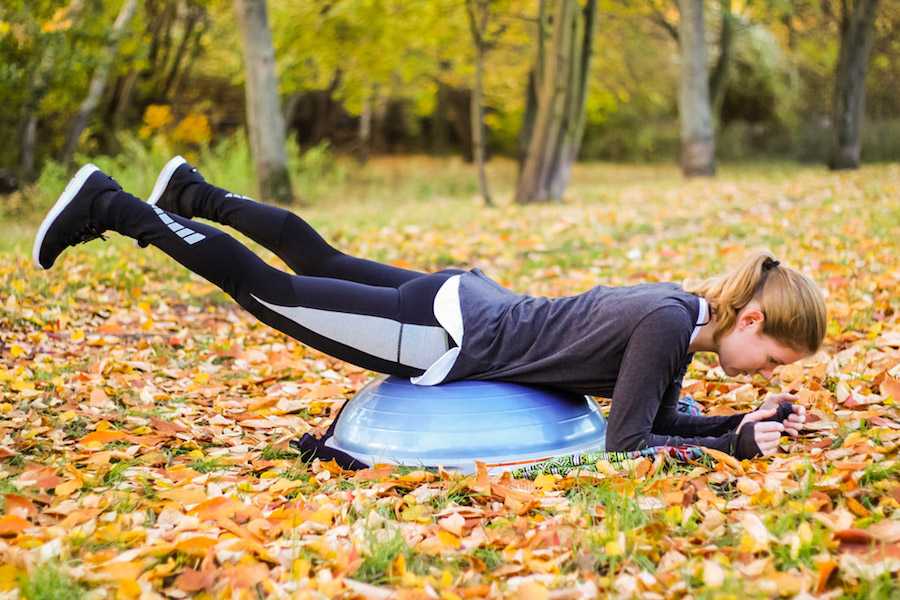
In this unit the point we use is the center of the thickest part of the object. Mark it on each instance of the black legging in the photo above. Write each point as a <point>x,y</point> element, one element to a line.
<point>372,315</point>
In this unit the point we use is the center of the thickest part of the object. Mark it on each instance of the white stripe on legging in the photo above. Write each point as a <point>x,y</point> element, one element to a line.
<point>377,336</point>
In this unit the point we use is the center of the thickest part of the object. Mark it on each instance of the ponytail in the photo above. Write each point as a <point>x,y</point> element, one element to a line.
<point>793,305</point>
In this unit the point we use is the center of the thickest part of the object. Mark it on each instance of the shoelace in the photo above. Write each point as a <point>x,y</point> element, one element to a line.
<point>88,232</point>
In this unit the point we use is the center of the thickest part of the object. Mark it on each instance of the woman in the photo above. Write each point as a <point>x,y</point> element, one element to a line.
<point>632,344</point>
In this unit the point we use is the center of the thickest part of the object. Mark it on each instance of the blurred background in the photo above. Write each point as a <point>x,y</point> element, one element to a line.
<point>322,86</point>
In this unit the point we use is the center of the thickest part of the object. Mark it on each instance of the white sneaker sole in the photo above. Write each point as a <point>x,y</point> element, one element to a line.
<point>72,188</point>
<point>162,181</point>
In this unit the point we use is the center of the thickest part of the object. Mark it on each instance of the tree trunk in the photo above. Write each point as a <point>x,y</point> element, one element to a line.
<point>37,89</point>
<point>365,128</point>
<point>848,103</point>
<point>98,81</point>
<point>527,120</point>
<point>264,119</point>
<point>718,79</point>
<point>698,145</point>
<point>123,103</point>
<point>561,79</point>
<point>196,46</point>
<point>29,143</point>
<point>479,13</point>
<point>323,126</point>
<point>192,20</point>
<point>440,125</point>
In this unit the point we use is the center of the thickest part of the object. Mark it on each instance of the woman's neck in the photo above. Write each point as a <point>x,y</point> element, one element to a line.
<point>704,341</point>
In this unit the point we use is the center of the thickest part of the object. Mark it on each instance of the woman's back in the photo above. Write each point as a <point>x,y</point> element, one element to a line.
<point>571,342</point>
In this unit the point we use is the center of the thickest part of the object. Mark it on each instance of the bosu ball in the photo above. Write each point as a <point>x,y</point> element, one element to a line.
<point>505,425</point>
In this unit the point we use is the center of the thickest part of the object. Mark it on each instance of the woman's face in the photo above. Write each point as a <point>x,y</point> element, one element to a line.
<point>744,349</point>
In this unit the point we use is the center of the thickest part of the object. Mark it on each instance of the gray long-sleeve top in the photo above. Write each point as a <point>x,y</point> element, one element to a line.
<point>629,344</point>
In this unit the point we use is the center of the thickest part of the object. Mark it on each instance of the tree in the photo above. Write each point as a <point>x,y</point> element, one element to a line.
<point>479,12</point>
<point>557,87</point>
<point>849,100</point>
<point>698,145</point>
<point>98,80</point>
<point>264,118</point>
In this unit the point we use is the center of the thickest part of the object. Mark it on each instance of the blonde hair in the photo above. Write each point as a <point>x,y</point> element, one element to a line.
<point>793,305</point>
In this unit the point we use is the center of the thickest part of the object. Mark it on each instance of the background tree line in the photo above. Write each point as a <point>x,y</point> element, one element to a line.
<point>545,81</point>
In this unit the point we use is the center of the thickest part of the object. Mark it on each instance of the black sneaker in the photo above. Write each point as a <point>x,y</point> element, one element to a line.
<point>71,220</point>
<point>172,180</point>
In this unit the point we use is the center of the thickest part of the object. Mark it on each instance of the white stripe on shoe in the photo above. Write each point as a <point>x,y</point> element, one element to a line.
<point>72,189</point>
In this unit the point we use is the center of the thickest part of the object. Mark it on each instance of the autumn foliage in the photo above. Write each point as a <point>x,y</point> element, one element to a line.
<point>145,418</point>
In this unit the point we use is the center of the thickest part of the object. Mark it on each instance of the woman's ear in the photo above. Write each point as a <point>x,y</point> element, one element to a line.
<point>750,316</point>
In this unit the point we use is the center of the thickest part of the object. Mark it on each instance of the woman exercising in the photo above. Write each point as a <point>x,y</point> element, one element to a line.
<point>632,344</point>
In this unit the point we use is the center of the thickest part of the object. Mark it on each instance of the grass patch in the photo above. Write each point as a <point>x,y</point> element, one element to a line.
<point>208,465</point>
<point>876,472</point>
<point>382,553</point>
<point>116,473</point>
<point>48,581</point>
<point>272,453</point>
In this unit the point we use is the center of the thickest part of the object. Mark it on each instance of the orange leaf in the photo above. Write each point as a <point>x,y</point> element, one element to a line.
<point>856,508</point>
<point>101,437</point>
<point>98,397</point>
<point>890,387</point>
<point>482,483</point>
<point>213,509</point>
<point>642,468</point>
<point>531,590</point>
<point>184,495</point>
<point>726,459</point>
<point>245,576</point>
<point>826,567</point>
<point>196,546</point>
<point>20,506</point>
<point>12,525</point>
<point>193,581</point>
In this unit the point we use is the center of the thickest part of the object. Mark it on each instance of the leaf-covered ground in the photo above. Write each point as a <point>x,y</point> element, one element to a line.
<point>144,418</point>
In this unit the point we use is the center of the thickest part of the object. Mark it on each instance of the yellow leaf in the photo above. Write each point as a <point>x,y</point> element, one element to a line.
<point>8,577</point>
<point>418,513</point>
<point>300,568</point>
<point>325,516</point>
<point>77,335</point>
<point>448,539</point>
<point>16,351</point>
<point>398,568</point>
<point>545,481</point>
<point>127,589</point>
<point>613,548</point>
<point>67,487</point>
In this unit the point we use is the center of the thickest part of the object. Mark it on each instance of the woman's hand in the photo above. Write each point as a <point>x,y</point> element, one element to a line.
<point>766,434</point>
<point>792,425</point>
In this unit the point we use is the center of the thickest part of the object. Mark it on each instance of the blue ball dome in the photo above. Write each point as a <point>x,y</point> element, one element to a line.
<point>502,424</point>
